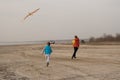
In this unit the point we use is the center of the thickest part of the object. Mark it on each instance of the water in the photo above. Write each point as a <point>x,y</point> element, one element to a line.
<point>20,43</point>
<point>36,42</point>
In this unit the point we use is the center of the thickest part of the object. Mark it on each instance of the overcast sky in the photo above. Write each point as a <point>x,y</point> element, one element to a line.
<point>58,19</point>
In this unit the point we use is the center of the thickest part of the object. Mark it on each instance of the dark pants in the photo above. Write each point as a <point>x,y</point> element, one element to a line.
<point>75,50</point>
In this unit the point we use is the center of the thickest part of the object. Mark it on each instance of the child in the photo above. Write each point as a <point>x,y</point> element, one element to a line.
<point>47,51</point>
<point>76,43</point>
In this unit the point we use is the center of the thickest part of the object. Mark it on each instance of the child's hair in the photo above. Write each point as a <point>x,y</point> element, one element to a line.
<point>48,43</point>
<point>76,36</point>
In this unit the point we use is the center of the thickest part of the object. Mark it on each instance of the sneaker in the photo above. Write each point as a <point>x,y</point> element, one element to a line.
<point>75,57</point>
<point>47,64</point>
<point>72,58</point>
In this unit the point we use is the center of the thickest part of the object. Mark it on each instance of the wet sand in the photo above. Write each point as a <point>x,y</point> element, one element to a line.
<point>94,62</point>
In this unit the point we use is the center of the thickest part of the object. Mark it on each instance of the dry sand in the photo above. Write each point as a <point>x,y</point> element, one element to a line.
<point>94,62</point>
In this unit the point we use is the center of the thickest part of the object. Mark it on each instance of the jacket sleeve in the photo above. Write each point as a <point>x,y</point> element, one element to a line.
<point>43,50</point>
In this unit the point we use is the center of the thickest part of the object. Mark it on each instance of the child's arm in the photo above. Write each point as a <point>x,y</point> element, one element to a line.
<point>43,50</point>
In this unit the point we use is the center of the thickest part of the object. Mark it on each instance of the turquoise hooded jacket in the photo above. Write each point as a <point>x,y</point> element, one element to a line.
<point>47,50</point>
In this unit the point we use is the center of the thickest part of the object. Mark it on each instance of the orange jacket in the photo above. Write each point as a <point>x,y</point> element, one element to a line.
<point>76,42</point>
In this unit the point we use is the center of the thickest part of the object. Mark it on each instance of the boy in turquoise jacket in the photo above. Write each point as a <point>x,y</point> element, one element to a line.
<point>47,51</point>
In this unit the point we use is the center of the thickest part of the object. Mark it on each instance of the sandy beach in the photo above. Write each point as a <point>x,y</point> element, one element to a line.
<point>94,62</point>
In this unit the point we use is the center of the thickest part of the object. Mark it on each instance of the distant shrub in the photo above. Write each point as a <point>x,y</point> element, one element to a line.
<point>117,38</point>
<point>105,38</point>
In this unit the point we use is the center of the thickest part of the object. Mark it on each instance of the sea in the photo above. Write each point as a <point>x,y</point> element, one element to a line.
<point>35,42</point>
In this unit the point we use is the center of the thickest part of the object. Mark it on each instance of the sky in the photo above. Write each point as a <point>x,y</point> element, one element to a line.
<point>58,19</point>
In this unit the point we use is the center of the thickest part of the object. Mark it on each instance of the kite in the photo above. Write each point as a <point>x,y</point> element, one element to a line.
<point>73,42</point>
<point>52,42</point>
<point>31,13</point>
